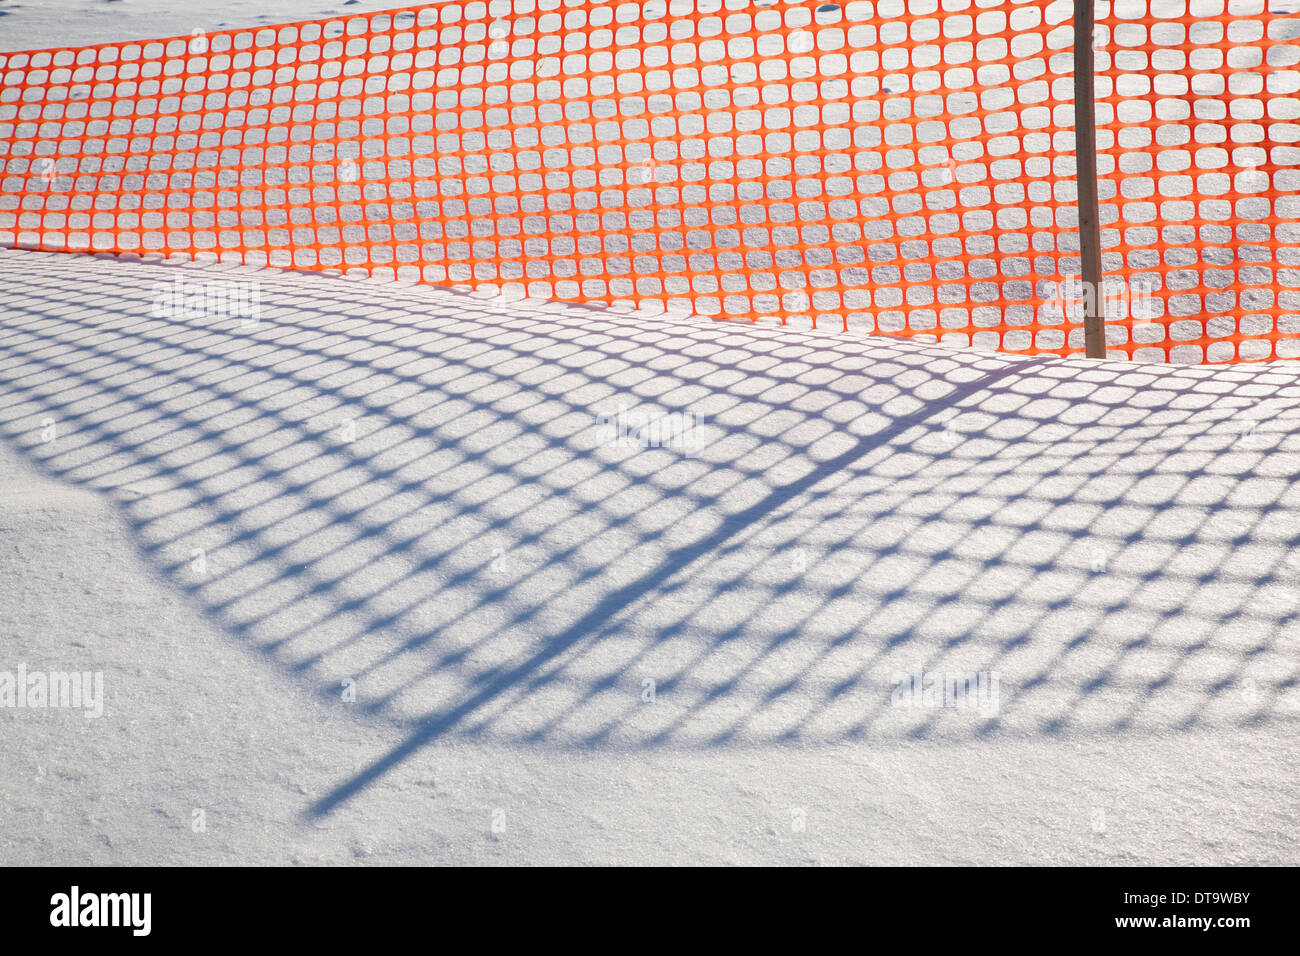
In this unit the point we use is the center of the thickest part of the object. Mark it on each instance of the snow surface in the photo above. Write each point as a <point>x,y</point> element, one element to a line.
<point>500,580</point>
<point>410,489</point>
<point>41,24</point>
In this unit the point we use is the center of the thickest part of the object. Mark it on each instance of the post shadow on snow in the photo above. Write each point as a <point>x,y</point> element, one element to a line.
<point>931,549</point>
<point>594,623</point>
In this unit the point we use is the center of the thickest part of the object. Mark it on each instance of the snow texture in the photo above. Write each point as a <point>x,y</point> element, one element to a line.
<point>417,494</point>
<point>566,648</point>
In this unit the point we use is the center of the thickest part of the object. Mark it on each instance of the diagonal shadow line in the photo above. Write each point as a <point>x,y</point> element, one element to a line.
<point>597,620</point>
<point>390,473</point>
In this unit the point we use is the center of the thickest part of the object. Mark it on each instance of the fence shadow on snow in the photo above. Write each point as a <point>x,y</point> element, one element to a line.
<point>413,490</point>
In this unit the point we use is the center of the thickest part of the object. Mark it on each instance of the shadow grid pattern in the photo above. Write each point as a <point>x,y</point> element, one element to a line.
<point>419,491</point>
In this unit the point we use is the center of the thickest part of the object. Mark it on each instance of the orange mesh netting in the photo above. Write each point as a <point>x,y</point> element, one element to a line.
<point>895,167</point>
<point>1197,141</point>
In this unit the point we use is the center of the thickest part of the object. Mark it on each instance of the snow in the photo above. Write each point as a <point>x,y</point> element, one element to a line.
<point>499,579</point>
<point>414,494</point>
<point>42,24</point>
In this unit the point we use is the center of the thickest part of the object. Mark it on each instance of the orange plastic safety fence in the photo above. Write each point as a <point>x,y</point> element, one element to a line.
<point>895,167</point>
<point>1198,136</point>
